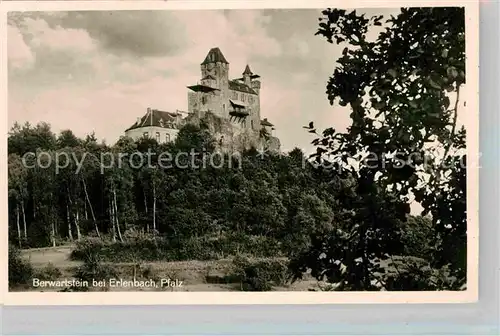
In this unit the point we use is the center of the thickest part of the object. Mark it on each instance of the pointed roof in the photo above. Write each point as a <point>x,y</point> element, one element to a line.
<point>215,55</point>
<point>265,122</point>
<point>247,71</point>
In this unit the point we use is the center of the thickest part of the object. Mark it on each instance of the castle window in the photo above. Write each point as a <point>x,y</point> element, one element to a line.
<point>157,136</point>
<point>251,123</point>
<point>167,137</point>
<point>224,107</point>
<point>242,97</point>
<point>204,100</point>
<point>145,134</point>
<point>250,99</point>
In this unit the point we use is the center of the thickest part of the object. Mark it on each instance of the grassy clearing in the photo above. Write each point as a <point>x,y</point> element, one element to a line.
<point>238,273</point>
<point>212,275</point>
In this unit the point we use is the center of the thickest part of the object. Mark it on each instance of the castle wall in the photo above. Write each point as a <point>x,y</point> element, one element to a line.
<point>255,85</point>
<point>252,121</point>
<point>202,102</point>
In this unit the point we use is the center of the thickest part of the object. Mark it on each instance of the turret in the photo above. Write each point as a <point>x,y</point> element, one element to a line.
<point>247,75</point>
<point>251,80</point>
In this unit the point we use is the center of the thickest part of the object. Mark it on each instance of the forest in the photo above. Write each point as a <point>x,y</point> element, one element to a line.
<point>330,214</point>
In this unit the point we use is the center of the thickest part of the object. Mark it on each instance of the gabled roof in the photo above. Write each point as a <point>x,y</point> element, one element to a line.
<point>215,55</point>
<point>156,118</point>
<point>237,86</point>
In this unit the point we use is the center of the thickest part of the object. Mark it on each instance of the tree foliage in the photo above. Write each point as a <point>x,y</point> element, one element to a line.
<point>403,89</point>
<point>246,200</point>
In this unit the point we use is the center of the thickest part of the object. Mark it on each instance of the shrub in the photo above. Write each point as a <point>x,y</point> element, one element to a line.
<point>419,237</point>
<point>20,271</point>
<point>50,272</point>
<point>419,277</point>
<point>148,272</point>
<point>150,248</point>
<point>87,247</point>
<point>93,269</point>
<point>260,275</point>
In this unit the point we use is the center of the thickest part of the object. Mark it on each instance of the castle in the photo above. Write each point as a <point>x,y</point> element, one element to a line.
<point>230,108</point>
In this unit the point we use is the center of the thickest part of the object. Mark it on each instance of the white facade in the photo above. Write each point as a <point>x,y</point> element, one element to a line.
<point>160,134</point>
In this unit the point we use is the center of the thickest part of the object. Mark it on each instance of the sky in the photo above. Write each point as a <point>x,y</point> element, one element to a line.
<point>99,71</point>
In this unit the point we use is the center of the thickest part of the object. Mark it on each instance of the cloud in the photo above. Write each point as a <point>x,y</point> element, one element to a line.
<point>138,33</point>
<point>19,53</point>
<point>99,71</point>
<point>297,46</point>
<point>58,56</point>
<point>57,39</point>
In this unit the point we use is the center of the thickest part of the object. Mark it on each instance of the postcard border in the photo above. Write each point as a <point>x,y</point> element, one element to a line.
<point>205,298</point>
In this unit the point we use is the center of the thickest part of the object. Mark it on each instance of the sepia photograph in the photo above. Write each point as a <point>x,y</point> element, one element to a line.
<point>241,150</point>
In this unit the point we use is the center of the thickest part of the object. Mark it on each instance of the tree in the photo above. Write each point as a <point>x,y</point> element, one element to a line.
<point>26,138</point>
<point>419,237</point>
<point>403,90</point>
<point>154,182</point>
<point>196,138</point>
<point>310,216</point>
<point>67,139</point>
<point>119,186</point>
<point>18,192</point>
<point>45,192</point>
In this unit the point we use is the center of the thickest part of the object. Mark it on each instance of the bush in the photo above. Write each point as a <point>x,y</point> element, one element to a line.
<point>260,275</point>
<point>149,248</point>
<point>93,269</point>
<point>148,272</point>
<point>50,272</point>
<point>419,277</point>
<point>86,247</point>
<point>419,237</point>
<point>20,271</point>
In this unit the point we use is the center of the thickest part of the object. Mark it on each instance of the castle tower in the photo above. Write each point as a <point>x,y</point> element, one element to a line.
<point>212,90</point>
<point>252,81</point>
<point>215,66</point>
